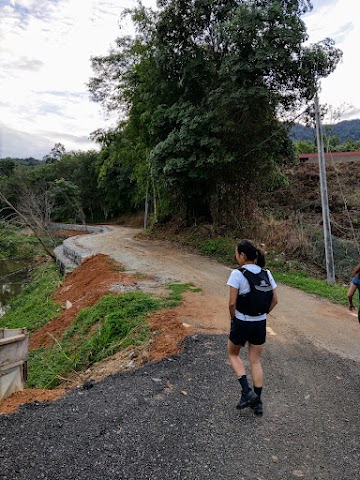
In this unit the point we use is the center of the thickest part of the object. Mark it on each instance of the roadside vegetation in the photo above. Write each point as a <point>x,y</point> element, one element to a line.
<point>113,324</point>
<point>309,278</point>
<point>34,306</point>
<point>14,245</point>
<point>291,273</point>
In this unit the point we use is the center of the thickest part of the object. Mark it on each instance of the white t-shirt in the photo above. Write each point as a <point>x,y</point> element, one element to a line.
<point>238,281</point>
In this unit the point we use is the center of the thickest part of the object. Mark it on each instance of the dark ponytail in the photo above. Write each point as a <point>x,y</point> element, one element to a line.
<point>252,252</point>
<point>260,260</point>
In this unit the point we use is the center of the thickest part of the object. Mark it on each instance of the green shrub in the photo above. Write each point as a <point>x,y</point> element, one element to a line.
<point>13,245</point>
<point>222,248</point>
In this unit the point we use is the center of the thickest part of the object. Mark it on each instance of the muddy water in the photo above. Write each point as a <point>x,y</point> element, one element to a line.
<point>13,278</point>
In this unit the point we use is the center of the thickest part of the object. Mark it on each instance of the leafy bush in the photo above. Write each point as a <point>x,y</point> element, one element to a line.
<point>14,245</point>
<point>222,248</point>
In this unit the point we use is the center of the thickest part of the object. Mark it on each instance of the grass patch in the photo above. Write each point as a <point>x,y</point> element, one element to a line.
<point>114,323</point>
<point>293,274</point>
<point>176,292</point>
<point>46,366</point>
<point>34,306</point>
<point>120,321</point>
<point>221,248</point>
<point>335,293</point>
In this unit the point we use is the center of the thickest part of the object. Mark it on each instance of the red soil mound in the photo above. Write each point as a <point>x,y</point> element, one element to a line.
<point>85,287</point>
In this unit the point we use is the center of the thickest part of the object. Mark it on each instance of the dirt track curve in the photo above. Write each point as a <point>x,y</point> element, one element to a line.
<point>326,325</point>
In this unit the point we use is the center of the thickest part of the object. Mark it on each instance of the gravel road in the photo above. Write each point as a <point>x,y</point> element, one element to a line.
<point>175,419</point>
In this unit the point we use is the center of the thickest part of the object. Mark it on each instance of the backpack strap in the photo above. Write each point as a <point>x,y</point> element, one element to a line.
<point>250,278</point>
<point>243,270</point>
<point>246,272</point>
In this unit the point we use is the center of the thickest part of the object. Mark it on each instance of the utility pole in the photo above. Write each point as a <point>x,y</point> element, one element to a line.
<point>329,257</point>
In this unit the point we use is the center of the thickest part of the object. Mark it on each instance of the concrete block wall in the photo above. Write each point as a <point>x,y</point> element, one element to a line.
<point>69,255</point>
<point>14,346</point>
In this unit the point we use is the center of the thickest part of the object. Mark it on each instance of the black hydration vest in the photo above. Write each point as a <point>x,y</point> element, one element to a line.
<point>258,300</point>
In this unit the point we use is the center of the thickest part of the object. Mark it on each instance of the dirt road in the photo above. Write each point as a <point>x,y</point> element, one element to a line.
<point>326,325</point>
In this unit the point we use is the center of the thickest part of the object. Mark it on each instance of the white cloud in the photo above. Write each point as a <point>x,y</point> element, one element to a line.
<point>339,20</point>
<point>20,144</point>
<point>45,52</point>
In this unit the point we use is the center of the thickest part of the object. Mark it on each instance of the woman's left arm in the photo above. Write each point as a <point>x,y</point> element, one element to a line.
<point>232,301</point>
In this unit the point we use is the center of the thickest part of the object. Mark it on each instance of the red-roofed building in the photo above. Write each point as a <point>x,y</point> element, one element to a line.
<point>338,157</point>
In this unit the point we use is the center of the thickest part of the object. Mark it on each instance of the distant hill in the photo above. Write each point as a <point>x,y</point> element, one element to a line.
<point>345,130</point>
<point>29,162</point>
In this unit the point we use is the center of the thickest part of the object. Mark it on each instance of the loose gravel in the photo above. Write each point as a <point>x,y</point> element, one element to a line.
<point>176,419</point>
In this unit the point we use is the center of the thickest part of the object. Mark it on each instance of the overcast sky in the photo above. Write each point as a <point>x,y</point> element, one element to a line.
<point>45,50</point>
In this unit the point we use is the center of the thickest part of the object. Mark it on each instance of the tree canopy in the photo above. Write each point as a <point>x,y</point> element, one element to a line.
<point>199,90</point>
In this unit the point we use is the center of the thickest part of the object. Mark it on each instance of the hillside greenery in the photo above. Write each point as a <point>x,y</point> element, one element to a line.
<point>344,130</point>
<point>341,137</point>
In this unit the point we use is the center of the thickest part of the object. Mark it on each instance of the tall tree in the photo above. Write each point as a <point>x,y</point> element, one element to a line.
<point>55,154</point>
<point>202,86</point>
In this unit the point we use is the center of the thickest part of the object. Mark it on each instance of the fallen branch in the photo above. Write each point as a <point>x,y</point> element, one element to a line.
<point>28,224</point>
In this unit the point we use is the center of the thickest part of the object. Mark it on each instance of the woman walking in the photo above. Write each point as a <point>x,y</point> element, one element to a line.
<point>252,295</point>
<point>355,285</point>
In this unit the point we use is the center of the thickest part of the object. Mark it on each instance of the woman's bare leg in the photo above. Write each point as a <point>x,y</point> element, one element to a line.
<point>255,364</point>
<point>236,362</point>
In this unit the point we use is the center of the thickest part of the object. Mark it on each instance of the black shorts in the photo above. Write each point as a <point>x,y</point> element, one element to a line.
<point>242,331</point>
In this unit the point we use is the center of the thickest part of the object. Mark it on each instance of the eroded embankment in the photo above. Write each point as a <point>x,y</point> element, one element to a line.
<point>84,287</point>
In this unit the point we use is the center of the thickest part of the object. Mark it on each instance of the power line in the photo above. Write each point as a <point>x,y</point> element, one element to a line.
<point>273,134</point>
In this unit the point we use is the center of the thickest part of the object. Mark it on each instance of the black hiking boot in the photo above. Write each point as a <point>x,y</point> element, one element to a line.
<point>258,408</point>
<point>247,399</point>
